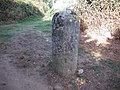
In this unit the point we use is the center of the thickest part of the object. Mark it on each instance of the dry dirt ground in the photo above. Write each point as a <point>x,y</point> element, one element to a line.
<point>22,62</point>
<point>25,65</point>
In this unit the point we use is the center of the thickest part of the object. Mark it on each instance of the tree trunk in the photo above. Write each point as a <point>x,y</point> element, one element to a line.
<point>65,35</point>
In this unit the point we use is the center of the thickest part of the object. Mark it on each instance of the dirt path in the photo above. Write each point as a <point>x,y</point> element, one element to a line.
<point>11,79</point>
<point>24,62</point>
<point>21,62</point>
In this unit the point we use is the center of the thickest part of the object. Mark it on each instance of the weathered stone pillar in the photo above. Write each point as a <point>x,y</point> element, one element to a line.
<point>65,34</point>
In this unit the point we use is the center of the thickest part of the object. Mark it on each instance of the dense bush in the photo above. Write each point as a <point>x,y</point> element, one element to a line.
<point>11,10</point>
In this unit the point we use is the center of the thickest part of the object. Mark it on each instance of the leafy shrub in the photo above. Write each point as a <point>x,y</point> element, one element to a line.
<point>11,10</point>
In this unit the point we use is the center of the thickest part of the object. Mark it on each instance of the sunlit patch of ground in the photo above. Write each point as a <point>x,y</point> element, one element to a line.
<point>100,37</point>
<point>106,48</point>
<point>100,33</point>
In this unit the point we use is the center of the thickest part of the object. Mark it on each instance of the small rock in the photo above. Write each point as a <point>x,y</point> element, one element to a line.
<point>34,63</point>
<point>80,71</point>
<point>58,87</point>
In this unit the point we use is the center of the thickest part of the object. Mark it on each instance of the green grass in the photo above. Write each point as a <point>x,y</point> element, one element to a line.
<point>5,36</point>
<point>97,68</point>
<point>112,64</point>
<point>31,20</point>
<point>115,82</point>
<point>5,31</point>
<point>44,26</point>
<point>29,24</point>
<point>38,23</point>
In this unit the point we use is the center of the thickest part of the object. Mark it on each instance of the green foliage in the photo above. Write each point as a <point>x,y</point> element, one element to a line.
<point>11,10</point>
<point>48,2</point>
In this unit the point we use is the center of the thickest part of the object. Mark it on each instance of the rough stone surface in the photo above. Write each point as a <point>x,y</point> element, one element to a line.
<point>65,34</point>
